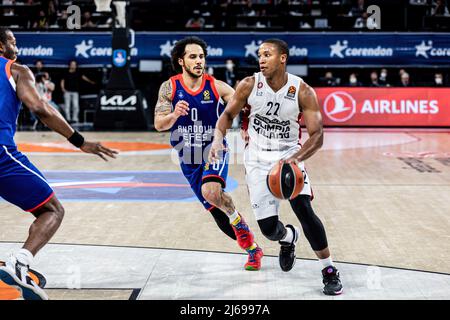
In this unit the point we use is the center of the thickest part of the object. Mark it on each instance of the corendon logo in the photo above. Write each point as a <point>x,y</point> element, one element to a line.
<point>339,106</point>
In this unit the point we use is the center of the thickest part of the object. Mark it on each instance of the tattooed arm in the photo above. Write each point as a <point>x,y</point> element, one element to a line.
<point>313,120</point>
<point>164,117</point>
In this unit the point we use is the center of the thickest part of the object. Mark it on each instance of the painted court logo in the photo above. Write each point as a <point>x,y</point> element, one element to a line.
<point>339,106</point>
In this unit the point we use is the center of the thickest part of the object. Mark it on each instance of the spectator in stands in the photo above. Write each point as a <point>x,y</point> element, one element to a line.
<point>383,78</point>
<point>230,76</point>
<point>357,10</point>
<point>87,20</point>
<point>38,67</point>
<point>328,80</point>
<point>70,86</point>
<point>405,80</point>
<point>439,8</point>
<point>374,80</point>
<point>438,80</point>
<point>45,88</point>
<point>196,22</point>
<point>52,13</point>
<point>62,20</point>
<point>353,81</point>
<point>42,21</point>
<point>248,9</point>
<point>8,11</point>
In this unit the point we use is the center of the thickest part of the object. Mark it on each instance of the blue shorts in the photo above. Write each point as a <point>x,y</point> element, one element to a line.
<point>21,183</point>
<point>198,174</point>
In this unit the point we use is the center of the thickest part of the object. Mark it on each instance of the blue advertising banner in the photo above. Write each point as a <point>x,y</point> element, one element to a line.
<point>305,48</point>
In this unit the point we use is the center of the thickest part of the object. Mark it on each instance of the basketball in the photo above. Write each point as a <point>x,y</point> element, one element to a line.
<point>285,180</point>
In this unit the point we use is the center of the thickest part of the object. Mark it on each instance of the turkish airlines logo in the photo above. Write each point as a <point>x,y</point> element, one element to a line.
<point>339,106</point>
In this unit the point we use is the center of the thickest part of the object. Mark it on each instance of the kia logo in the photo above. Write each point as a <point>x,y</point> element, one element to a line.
<point>339,106</point>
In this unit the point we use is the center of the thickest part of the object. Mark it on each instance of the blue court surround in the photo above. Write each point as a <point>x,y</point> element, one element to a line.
<point>124,186</point>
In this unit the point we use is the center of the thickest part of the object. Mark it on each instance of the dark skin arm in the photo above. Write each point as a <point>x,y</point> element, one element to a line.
<point>234,106</point>
<point>307,99</point>
<point>27,93</point>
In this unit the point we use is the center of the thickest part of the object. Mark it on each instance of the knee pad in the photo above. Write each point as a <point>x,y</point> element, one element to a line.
<point>272,228</point>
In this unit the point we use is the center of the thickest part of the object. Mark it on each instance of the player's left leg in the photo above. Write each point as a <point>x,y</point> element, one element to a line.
<point>23,185</point>
<point>213,185</point>
<point>315,234</point>
<point>213,193</point>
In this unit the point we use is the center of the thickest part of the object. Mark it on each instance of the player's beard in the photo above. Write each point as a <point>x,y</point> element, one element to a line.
<point>194,75</point>
<point>9,54</point>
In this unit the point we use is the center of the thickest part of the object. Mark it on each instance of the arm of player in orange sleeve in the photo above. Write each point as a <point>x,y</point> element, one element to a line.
<point>313,121</point>
<point>27,93</point>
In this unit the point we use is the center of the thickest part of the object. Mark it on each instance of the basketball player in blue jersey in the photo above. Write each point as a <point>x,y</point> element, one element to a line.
<point>21,183</point>
<point>189,105</point>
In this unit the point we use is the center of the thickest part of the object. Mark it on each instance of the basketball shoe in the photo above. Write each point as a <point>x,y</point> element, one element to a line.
<point>15,274</point>
<point>333,285</point>
<point>244,236</point>
<point>287,250</point>
<point>254,259</point>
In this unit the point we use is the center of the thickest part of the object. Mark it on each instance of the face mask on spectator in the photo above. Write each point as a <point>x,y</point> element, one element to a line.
<point>229,66</point>
<point>383,75</point>
<point>438,80</point>
<point>352,80</point>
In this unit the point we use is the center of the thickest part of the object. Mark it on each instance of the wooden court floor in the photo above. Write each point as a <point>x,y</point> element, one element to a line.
<point>383,196</point>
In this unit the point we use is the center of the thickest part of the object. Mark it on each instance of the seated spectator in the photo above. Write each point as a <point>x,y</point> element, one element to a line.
<point>374,80</point>
<point>230,76</point>
<point>438,80</point>
<point>328,80</point>
<point>357,10</point>
<point>42,21</point>
<point>38,67</point>
<point>353,81</point>
<point>196,22</point>
<point>383,78</point>
<point>8,11</point>
<point>405,81</point>
<point>87,20</point>
<point>439,8</point>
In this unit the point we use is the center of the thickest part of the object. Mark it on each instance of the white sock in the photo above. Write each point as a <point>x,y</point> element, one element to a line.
<point>234,216</point>
<point>24,256</point>
<point>328,262</point>
<point>289,237</point>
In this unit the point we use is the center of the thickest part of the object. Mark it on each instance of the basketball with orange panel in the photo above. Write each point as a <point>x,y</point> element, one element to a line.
<point>285,180</point>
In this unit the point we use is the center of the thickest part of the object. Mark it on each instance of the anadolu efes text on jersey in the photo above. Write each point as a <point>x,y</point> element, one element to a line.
<point>192,134</point>
<point>274,116</point>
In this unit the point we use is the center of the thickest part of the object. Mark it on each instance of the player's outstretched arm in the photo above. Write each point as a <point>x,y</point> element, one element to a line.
<point>234,106</point>
<point>27,93</point>
<point>164,117</point>
<point>313,121</point>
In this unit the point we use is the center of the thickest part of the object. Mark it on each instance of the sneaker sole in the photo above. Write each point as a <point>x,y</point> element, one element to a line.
<point>332,293</point>
<point>28,292</point>
<point>252,269</point>
<point>293,264</point>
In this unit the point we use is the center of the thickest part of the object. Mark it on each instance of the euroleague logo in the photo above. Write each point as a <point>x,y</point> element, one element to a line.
<point>339,106</point>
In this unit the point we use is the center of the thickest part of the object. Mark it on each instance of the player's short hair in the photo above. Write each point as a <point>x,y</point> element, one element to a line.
<point>280,44</point>
<point>179,50</point>
<point>3,34</point>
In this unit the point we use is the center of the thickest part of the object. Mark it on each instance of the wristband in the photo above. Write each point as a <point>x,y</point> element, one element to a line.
<point>76,139</point>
